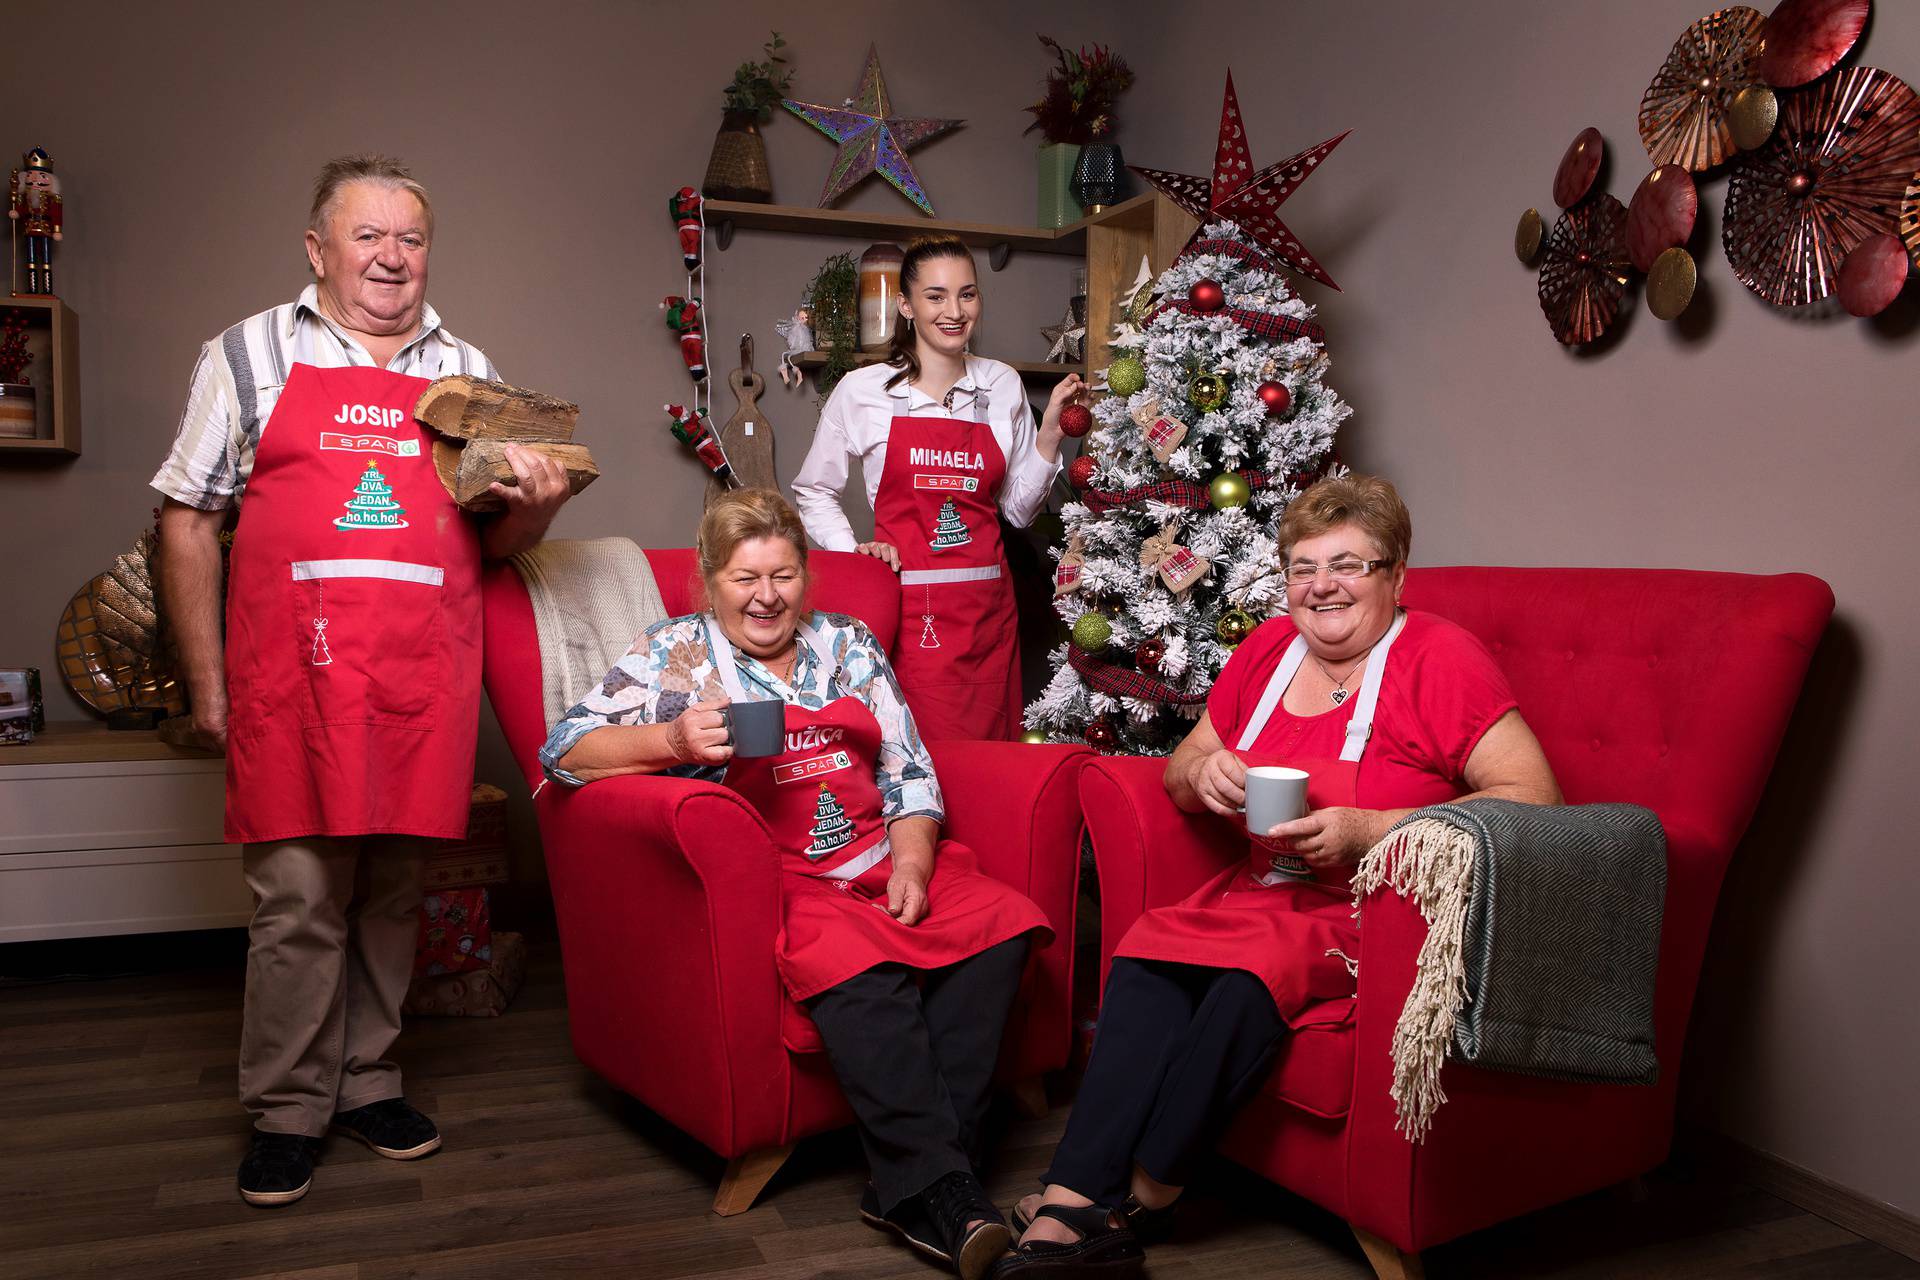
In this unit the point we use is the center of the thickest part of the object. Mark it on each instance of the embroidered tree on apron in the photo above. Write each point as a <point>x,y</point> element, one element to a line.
<point>831,829</point>
<point>1219,415</point>
<point>949,530</point>
<point>372,505</point>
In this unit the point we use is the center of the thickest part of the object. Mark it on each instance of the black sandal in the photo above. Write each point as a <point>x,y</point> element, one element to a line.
<point>1106,1249</point>
<point>1153,1226</point>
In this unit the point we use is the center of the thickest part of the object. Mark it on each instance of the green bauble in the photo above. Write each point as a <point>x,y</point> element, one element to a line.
<point>1091,631</point>
<point>1126,376</point>
<point>1229,489</point>
<point>1235,625</point>
<point>1207,391</point>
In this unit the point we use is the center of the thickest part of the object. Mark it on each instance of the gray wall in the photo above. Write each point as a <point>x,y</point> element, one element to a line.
<point>1748,440</point>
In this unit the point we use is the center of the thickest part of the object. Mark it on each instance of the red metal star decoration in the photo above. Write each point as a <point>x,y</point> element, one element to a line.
<point>1240,196</point>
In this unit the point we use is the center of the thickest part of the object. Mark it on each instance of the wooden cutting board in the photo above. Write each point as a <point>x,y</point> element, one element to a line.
<point>747,436</point>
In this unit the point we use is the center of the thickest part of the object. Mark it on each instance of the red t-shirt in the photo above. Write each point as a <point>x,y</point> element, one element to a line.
<point>1441,691</point>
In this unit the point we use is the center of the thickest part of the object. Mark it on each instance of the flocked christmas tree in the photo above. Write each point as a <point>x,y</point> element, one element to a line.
<point>831,830</point>
<point>372,505</point>
<point>949,529</point>
<point>1219,416</point>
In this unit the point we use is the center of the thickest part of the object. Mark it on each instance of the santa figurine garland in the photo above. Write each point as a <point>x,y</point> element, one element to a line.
<point>685,316</point>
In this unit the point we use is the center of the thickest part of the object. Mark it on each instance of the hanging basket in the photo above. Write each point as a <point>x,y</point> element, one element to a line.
<point>737,169</point>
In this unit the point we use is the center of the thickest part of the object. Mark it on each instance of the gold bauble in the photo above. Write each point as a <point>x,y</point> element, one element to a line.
<point>1034,737</point>
<point>1229,489</point>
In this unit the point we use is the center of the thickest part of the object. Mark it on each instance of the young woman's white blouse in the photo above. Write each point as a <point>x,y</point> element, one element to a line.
<point>859,416</point>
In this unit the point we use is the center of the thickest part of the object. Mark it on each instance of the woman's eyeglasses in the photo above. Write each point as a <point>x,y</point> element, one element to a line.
<point>1302,572</point>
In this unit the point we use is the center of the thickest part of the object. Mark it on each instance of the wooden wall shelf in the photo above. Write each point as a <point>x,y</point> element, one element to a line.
<point>53,338</point>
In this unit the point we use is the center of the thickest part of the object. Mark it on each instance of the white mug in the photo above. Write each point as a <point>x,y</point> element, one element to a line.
<point>1275,794</point>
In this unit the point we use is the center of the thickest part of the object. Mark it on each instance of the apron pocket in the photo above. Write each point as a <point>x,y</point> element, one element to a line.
<point>370,637</point>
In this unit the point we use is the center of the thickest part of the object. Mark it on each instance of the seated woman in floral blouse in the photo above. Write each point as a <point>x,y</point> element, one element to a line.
<point>907,958</point>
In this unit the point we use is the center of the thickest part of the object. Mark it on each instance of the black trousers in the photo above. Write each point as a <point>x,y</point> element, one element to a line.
<point>914,1051</point>
<point>1178,1049</point>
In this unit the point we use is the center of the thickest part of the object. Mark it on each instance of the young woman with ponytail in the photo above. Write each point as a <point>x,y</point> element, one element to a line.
<point>947,444</point>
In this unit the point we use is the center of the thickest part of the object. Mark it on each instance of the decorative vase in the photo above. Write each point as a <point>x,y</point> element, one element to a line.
<point>1057,205</point>
<point>17,420</point>
<point>879,295</point>
<point>737,169</point>
<point>1096,176</point>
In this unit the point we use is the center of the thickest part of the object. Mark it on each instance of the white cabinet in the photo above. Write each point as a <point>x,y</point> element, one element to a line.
<point>113,833</point>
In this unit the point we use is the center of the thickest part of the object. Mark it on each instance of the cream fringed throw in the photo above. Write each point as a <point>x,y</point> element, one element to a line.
<point>1431,862</point>
<point>1542,945</point>
<point>591,598</point>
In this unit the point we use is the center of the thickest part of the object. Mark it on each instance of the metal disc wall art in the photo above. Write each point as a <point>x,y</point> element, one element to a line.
<point>1684,112</point>
<point>1805,39</point>
<point>1873,275</point>
<point>1527,236</point>
<point>1910,219</point>
<point>1584,271</point>
<point>1670,284</point>
<point>1835,172</point>
<point>1578,168</point>
<point>1751,119</point>
<point>1661,215</point>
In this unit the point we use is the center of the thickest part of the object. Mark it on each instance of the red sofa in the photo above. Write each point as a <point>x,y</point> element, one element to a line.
<point>1665,688</point>
<point>668,902</point>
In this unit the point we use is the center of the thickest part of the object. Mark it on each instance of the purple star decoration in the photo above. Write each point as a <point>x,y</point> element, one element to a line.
<point>872,139</point>
<point>1238,195</point>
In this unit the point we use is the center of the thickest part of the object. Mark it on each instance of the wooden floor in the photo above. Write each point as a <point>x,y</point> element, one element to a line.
<point>119,1136</point>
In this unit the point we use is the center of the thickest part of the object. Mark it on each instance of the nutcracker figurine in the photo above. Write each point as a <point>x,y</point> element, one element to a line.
<point>34,208</point>
<point>683,317</point>
<point>685,207</point>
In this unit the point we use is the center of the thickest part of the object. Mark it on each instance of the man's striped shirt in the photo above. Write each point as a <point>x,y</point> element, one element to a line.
<point>239,377</point>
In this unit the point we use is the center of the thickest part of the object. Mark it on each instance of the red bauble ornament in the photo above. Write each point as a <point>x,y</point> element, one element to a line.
<point>1076,420</point>
<point>1080,473</point>
<point>1276,397</point>
<point>1148,655</point>
<point>1207,295</point>
<point>1101,734</point>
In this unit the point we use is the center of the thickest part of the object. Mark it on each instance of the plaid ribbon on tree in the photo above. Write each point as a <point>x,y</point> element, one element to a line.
<point>1263,324</point>
<point>1175,493</point>
<point>1120,682</point>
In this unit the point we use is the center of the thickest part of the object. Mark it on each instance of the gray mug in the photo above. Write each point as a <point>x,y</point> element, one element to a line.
<point>756,728</point>
<point>1275,794</point>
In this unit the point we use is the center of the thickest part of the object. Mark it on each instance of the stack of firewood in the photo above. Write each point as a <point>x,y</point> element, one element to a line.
<point>477,419</point>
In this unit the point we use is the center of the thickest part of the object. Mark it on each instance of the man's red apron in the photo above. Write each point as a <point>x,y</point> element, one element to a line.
<point>821,805</point>
<point>937,503</point>
<point>353,622</point>
<point>1294,933</point>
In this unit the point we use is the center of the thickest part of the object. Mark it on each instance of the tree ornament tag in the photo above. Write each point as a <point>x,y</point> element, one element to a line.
<point>1066,574</point>
<point>1164,436</point>
<point>1179,568</point>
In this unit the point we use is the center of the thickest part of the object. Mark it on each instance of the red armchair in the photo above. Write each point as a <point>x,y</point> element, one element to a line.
<point>1665,688</point>
<point>668,902</point>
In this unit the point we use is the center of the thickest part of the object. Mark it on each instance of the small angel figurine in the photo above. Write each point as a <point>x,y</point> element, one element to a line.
<point>799,335</point>
<point>34,207</point>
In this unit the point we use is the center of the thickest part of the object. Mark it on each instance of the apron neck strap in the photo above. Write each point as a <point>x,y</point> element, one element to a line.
<point>1360,728</point>
<point>729,671</point>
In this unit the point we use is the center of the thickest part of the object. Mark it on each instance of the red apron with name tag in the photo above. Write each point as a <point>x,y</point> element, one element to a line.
<point>353,622</point>
<point>822,807</point>
<point>1295,933</point>
<point>959,649</point>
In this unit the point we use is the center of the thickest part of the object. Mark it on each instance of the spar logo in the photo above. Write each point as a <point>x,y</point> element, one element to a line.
<point>947,484</point>
<point>811,767</point>
<point>369,444</point>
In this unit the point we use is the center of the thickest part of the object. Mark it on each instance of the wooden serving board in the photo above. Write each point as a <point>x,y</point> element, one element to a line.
<point>747,436</point>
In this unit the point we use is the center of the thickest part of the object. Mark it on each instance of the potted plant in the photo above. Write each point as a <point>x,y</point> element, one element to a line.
<point>1075,115</point>
<point>737,169</point>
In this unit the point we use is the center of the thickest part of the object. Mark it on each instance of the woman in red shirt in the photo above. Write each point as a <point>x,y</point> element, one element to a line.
<point>1387,710</point>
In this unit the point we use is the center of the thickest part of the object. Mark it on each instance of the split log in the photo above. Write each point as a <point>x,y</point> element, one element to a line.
<point>482,462</point>
<point>468,408</point>
<point>446,461</point>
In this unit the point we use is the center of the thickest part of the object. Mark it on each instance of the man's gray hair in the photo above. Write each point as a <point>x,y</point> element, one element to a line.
<point>342,171</point>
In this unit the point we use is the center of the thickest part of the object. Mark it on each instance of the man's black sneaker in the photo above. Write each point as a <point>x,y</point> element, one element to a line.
<point>908,1220</point>
<point>278,1168</point>
<point>392,1128</point>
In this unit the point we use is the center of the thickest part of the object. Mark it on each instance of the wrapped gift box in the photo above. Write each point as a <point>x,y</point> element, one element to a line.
<point>456,933</point>
<point>481,858</point>
<point>482,994</point>
<point>22,712</point>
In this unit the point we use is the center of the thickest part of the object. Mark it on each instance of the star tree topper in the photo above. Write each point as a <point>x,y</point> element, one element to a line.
<point>871,137</point>
<point>1248,199</point>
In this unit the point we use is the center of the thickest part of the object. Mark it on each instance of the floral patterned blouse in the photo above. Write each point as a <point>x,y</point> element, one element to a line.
<point>669,668</point>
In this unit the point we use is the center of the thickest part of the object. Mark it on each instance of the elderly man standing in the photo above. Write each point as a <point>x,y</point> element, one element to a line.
<point>346,687</point>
